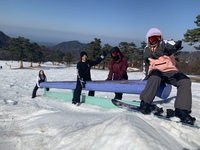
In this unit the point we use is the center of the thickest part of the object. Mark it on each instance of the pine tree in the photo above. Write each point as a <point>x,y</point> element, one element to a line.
<point>192,36</point>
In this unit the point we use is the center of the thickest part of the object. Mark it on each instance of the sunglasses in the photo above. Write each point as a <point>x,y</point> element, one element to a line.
<point>154,38</point>
<point>114,54</point>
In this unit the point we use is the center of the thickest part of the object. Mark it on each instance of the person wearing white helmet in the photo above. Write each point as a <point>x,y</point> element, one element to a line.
<point>159,66</point>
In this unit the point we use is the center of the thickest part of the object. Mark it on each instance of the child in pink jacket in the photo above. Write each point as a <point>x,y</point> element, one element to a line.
<point>159,66</point>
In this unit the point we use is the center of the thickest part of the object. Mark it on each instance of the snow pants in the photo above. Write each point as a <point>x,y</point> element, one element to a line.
<point>77,92</point>
<point>35,91</point>
<point>175,78</point>
<point>118,96</point>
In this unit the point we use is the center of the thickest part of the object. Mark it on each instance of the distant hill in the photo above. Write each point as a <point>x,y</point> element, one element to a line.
<point>74,47</point>
<point>46,44</point>
<point>3,39</point>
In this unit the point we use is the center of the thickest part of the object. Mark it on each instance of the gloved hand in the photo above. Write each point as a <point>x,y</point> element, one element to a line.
<point>82,82</point>
<point>173,48</point>
<point>104,54</point>
<point>178,45</point>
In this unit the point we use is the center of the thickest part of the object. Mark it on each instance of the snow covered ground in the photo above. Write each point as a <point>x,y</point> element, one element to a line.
<point>50,124</point>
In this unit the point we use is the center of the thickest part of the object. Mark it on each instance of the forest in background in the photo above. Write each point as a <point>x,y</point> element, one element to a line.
<point>21,49</point>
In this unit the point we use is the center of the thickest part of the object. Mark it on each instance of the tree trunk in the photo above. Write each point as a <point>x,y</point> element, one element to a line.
<point>31,65</point>
<point>39,64</point>
<point>21,64</point>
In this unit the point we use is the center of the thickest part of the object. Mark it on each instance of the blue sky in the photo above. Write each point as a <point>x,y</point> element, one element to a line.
<point>112,21</point>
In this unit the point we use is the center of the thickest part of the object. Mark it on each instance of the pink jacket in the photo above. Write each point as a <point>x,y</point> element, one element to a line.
<point>163,63</point>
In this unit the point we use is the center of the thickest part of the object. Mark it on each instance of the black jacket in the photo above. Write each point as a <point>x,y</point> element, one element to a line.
<point>84,68</point>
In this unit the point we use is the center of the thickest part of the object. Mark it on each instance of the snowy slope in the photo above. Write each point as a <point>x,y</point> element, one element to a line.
<point>50,124</point>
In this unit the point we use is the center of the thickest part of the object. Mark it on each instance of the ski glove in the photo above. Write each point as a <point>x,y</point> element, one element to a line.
<point>178,46</point>
<point>173,48</point>
<point>82,82</point>
<point>104,54</point>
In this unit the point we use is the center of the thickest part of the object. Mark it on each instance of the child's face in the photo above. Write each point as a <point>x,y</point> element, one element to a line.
<point>154,47</point>
<point>84,58</point>
<point>41,72</point>
<point>154,42</point>
<point>116,56</point>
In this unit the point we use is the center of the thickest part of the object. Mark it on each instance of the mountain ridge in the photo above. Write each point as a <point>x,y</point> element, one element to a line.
<point>75,47</point>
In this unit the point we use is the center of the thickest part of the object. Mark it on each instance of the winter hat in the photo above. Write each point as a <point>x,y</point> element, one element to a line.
<point>152,32</point>
<point>116,57</point>
<point>114,49</point>
<point>83,53</point>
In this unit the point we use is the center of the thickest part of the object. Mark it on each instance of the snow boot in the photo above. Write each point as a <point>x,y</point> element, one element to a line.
<point>145,108</point>
<point>76,103</point>
<point>184,116</point>
<point>170,113</point>
<point>118,96</point>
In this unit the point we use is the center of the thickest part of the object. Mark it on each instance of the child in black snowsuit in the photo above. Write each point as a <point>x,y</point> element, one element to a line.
<point>83,71</point>
<point>40,78</point>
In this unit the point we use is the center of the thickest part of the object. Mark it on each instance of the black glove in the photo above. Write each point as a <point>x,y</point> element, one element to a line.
<point>82,82</point>
<point>105,53</point>
<point>171,49</point>
<point>178,45</point>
